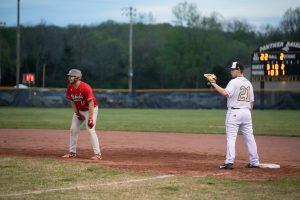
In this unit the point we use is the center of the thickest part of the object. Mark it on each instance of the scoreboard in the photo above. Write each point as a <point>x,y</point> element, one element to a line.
<point>279,61</point>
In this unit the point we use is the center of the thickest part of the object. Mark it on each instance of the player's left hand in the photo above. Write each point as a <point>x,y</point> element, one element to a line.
<point>91,123</point>
<point>79,116</point>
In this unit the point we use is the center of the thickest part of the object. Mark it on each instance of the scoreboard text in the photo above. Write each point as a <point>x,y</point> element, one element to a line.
<point>278,61</point>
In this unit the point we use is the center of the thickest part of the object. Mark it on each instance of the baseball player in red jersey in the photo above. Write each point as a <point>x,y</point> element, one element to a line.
<point>85,108</point>
<point>240,98</point>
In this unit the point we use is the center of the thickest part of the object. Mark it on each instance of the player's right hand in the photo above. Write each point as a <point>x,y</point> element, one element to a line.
<point>79,116</point>
<point>91,123</point>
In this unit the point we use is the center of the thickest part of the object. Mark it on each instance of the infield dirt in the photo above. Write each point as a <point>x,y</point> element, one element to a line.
<point>163,153</point>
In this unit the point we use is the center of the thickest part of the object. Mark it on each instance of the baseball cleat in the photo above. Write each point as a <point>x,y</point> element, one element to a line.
<point>227,166</point>
<point>69,155</point>
<point>97,157</point>
<point>251,166</point>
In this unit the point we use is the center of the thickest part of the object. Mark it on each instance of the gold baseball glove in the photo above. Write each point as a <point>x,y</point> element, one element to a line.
<point>210,77</point>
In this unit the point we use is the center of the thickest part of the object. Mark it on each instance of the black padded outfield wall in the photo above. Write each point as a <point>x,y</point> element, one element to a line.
<point>154,99</point>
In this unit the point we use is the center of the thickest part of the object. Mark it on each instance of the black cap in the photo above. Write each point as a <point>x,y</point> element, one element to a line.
<point>237,65</point>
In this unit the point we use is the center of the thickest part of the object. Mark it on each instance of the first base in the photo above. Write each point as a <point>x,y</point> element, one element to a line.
<point>269,165</point>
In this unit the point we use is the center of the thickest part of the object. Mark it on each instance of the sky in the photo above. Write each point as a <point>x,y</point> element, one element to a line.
<point>90,12</point>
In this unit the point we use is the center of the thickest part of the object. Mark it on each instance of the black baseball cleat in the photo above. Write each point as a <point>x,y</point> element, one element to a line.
<point>227,166</point>
<point>251,166</point>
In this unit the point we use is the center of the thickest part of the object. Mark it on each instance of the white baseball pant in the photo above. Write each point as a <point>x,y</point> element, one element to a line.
<point>240,119</point>
<point>75,128</point>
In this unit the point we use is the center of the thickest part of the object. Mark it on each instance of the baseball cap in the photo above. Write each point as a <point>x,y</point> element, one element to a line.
<point>236,65</point>
<point>75,72</point>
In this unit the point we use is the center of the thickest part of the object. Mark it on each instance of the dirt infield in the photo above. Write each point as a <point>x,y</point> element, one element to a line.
<point>165,153</point>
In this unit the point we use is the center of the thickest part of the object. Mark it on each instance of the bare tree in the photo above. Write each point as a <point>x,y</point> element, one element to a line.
<point>291,23</point>
<point>186,15</point>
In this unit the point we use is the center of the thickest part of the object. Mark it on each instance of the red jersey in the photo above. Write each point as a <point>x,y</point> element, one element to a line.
<point>81,96</point>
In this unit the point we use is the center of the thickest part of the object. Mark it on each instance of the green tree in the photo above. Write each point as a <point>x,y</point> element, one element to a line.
<point>164,56</point>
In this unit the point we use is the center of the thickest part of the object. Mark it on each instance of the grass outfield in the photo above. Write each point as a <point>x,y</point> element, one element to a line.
<point>57,179</point>
<point>266,122</point>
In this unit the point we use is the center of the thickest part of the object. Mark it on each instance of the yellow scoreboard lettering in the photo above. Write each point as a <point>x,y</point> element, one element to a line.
<point>274,69</point>
<point>283,69</point>
<point>261,58</point>
<point>276,62</point>
<point>281,56</point>
<point>264,57</point>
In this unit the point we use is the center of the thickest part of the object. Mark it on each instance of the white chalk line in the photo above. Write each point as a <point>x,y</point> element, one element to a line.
<point>217,174</point>
<point>86,186</point>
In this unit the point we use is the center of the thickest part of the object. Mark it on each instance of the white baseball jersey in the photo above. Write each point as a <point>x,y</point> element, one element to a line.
<point>240,93</point>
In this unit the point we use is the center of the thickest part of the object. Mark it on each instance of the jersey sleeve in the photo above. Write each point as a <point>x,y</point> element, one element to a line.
<point>230,88</point>
<point>89,93</point>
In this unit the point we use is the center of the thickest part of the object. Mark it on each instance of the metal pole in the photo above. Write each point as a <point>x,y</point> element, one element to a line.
<point>130,73</point>
<point>44,73</point>
<point>131,12</point>
<point>262,95</point>
<point>2,24</point>
<point>18,47</point>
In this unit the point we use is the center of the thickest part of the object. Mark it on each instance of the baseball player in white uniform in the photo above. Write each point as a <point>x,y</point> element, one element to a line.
<point>240,99</point>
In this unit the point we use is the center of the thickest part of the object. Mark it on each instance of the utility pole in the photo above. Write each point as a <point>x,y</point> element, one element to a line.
<point>2,24</point>
<point>44,74</point>
<point>131,12</point>
<point>18,47</point>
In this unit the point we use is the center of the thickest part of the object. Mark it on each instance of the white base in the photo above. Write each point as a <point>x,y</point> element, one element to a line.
<point>269,165</point>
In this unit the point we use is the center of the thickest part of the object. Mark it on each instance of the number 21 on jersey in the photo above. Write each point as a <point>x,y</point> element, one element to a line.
<point>244,94</point>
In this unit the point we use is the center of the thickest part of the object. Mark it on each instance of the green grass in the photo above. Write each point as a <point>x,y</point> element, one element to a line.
<point>266,122</point>
<point>17,176</point>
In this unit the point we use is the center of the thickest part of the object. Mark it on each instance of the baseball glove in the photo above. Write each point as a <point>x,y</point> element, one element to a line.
<point>210,77</point>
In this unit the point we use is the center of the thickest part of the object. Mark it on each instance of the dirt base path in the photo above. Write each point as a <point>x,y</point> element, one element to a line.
<point>166,153</point>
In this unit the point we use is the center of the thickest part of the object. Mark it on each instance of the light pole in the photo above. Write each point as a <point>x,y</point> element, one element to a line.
<point>131,12</point>
<point>18,47</point>
<point>2,24</point>
<point>44,72</point>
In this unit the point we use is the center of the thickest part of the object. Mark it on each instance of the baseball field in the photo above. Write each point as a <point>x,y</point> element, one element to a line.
<point>147,154</point>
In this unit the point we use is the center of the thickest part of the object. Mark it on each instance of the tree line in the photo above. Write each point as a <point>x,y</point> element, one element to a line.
<point>164,55</point>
